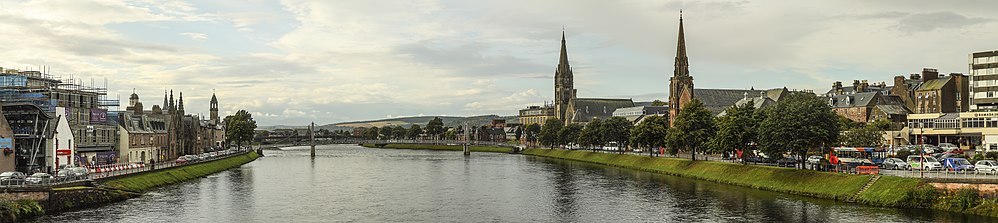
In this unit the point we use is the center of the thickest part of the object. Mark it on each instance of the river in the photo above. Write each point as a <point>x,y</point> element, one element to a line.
<point>352,183</point>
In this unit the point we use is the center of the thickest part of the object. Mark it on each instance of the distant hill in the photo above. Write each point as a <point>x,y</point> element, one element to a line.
<point>272,127</point>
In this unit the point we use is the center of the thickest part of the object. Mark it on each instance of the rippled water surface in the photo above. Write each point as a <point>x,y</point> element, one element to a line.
<point>351,183</point>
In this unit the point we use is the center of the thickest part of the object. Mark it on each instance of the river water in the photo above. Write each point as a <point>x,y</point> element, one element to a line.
<point>352,183</point>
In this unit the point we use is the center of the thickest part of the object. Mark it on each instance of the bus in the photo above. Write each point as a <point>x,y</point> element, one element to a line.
<point>860,156</point>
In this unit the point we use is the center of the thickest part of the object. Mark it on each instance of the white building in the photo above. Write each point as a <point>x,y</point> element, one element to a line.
<point>62,147</point>
<point>983,70</point>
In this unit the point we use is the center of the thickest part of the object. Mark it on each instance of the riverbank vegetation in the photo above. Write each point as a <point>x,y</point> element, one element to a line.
<point>145,181</point>
<point>887,191</point>
<point>12,211</point>
<point>488,149</point>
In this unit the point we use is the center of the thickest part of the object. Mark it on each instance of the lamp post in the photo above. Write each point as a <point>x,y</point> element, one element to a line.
<point>921,152</point>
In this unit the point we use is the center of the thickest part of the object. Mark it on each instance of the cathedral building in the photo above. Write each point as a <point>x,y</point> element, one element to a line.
<point>681,89</point>
<point>564,88</point>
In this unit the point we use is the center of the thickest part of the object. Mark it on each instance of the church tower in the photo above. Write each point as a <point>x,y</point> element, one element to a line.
<point>681,83</point>
<point>564,88</point>
<point>213,108</point>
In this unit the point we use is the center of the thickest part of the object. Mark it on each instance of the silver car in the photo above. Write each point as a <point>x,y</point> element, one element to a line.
<point>895,164</point>
<point>12,177</point>
<point>39,178</point>
<point>987,166</point>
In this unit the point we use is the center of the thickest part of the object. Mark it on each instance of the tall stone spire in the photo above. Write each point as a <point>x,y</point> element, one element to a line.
<point>165,101</point>
<point>682,62</point>
<point>681,83</point>
<point>180,103</point>
<point>173,107</point>
<point>213,109</point>
<point>564,87</point>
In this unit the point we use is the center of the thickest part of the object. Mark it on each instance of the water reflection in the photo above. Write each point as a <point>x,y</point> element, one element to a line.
<point>349,183</point>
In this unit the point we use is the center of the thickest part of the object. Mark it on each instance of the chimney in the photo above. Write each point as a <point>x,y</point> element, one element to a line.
<point>837,87</point>
<point>929,74</point>
<point>863,85</point>
<point>899,82</point>
<point>915,76</point>
<point>855,86</point>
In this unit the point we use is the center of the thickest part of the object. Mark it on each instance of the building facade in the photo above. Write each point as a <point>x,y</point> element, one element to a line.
<point>681,83</point>
<point>942,94</point>
<point>983,70</point>
<point>536,115</point>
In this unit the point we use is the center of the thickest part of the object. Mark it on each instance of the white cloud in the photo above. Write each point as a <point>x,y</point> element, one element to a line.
<point>196,36</point>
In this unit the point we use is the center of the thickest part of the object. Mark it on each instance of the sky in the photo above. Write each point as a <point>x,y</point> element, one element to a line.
<point>293,62</point>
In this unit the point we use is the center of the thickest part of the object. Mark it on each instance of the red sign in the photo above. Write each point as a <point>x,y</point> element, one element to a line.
<point>63,152</point>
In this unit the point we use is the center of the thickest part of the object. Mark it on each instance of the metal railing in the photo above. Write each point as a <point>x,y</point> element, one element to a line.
<point>113,170</point>
<point>422,141</point>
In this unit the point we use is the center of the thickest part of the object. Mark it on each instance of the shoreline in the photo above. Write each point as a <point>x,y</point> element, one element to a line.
<point>885,191</point>
<point>103,192</point>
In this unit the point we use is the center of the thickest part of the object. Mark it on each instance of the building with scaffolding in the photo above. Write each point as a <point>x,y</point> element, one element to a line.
<point>30,100</point>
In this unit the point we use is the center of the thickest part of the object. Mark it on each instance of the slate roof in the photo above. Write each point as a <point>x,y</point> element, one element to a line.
<point>854,100</point>
<point>716,100</point>
<point>585,109</point>
<point>757,102</point>
<point>934,84</point>
<point>894,109</point>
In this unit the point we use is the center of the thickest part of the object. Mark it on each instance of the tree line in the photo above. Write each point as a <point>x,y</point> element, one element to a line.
<point>798,125</point>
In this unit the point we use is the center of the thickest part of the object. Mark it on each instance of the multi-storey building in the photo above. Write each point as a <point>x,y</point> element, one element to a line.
<point>942,94</point>
<point>983,70</point>
<point>536,115</point>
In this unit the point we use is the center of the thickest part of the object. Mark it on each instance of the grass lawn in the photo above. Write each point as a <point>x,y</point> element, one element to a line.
<point>146,181</point>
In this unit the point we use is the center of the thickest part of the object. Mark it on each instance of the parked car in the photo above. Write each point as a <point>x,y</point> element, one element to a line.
<point>987,166</point>
<point>958,164</point>
<point>11,177</point>
<point>39,178</point>
<point>74,173</point>
<point>947,146</point>
<point>182,160</point>
<point>930,163</point>
<point>813,160</point>
<point>894,164</point>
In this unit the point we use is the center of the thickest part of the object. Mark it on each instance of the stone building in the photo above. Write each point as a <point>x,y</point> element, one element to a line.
<point>868,106</point>
<point>143,134</point>
<point>564,87</point>
<point>942,94</point>
<point>536,115</point>
<point>681,90</point>
<point>583,110</point>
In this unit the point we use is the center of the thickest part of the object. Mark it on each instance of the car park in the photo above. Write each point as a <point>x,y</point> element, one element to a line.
<point>894,164</point>
<point>39,178</point>
<point>986,166</point>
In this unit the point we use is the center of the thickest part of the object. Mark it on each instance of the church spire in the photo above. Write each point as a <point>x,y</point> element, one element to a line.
<point>682,62</point>
<point>563,61</point>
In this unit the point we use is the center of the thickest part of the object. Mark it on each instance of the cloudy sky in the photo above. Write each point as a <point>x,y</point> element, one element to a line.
<point>295,61</point>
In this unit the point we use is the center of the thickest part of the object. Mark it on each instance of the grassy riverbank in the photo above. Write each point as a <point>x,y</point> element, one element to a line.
<point>888,191</point>
<point>488,149</point>
<point>145,181</point>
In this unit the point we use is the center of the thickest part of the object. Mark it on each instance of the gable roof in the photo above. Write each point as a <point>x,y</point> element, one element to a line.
<point>585,109</point>
<point>716,100</point>
<point>934,84</point>
<point>854,100</point>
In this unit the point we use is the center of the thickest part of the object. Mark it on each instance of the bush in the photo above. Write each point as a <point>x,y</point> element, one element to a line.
<point>991,155</point>
<point>978,156</point>
<point>965,198</point>
<point>923,196</point>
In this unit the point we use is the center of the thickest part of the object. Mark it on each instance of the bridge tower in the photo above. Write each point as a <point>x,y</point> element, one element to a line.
<point>311,133</point>
<point>467,140</point>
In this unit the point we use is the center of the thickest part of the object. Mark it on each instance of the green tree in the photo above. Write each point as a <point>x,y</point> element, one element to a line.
<point>617,129</point>
<point>650,133</point>
<point>239,127</point>
<point>435,127</point>
<point>532,131</point>
<point>371,133</point>
<point>414,132</point>
<point>590,136</point>
<point>797,124</point>
<point>658,103</point>
<point>570,133</point>
<point>692,128</point>
<point>549,132</point>
<point>385,132</point>
<point>862,137</point>
<point>736,130</point>
<point>519,134</point>
<point>881,124</point>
